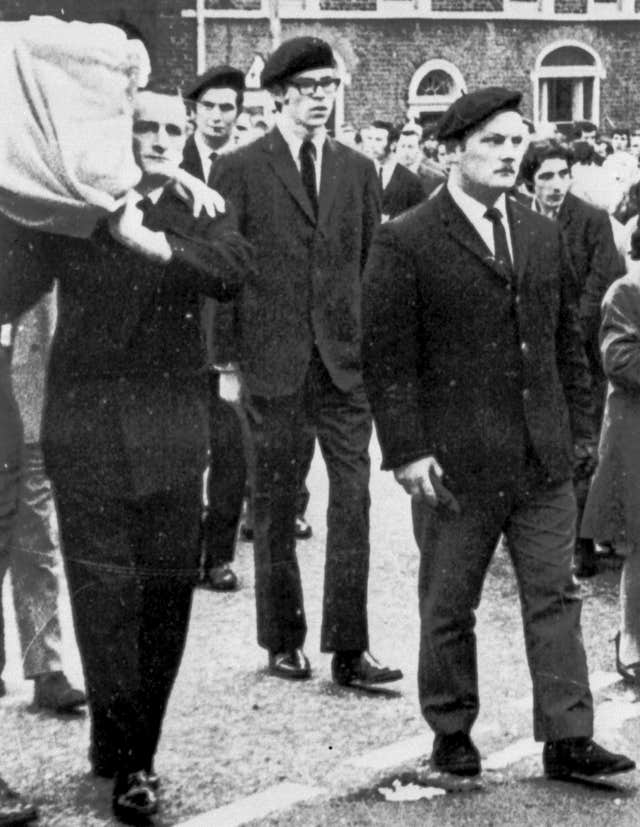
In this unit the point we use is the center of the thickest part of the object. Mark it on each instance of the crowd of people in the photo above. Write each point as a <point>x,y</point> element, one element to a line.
<point>262,289</point>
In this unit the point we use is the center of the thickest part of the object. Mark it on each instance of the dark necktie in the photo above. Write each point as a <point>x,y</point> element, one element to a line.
<point>502,255</point>
<point>212,156</point>
<point>308,173</point>
<point>380,178</point>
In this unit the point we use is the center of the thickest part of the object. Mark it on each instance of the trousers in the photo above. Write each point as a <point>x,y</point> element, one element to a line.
<point>342,423</point>
<point>539,525</point>
<point>33,557</point>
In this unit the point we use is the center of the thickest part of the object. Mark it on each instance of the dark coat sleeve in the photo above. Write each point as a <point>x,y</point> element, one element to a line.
<point>391,350</point>
<point>27,267</point>
<point>570,355</point>
<point>604,267</point>
<point>620,335</point>
<point>372,211</point>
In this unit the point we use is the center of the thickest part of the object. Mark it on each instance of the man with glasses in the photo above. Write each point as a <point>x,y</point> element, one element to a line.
<point>309,206</point>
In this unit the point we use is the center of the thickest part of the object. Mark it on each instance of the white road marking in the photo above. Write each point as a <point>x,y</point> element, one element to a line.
<point>523,748</point>
<point>394,754</point>
<point>260,805</point>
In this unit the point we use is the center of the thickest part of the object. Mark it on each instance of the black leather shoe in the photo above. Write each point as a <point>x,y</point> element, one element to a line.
<point>134,799</point>
<point>630,673</point>
<point>292,664</point>
<point>303,530</point>
<point>107,770</point>
<point>581,757</point>
<point>220,579</point>
<point>53,691</point>
<point>361,669</point>
<point>14,809</point>
<point>455,753</point>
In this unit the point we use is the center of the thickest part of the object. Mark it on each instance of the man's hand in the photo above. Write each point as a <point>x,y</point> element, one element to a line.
<point>231,387</point>
<point>423,478</point>
<point>585,460</point>
<point>195,192</point>
<point>126,227</point>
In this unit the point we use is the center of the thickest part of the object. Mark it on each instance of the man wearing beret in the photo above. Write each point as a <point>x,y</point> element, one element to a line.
<point>217,96</point>
<point>309,206</point>
<point>479,387</point>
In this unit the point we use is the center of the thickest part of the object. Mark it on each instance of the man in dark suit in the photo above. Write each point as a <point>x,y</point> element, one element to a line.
<point>546,171</point>
<point>309,206</point>
<point>401,188</point>
<point>217,97</point>
<point>477,379</point>
<point>125,437</point>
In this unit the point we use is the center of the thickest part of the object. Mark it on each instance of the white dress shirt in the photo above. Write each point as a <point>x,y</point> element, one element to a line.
<point>294,142</point>
<point>475,212</point>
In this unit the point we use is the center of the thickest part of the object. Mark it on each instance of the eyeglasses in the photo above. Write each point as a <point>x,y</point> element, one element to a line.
<point>223,107</point>
<point>309,86</point>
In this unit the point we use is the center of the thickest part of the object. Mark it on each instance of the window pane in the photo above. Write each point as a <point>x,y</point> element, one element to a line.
<point>569,56</point>
<point>436,82</point>
<point>560,98</point>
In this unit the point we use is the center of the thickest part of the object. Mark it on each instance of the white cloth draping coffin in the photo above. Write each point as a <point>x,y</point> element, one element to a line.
<point>66,106</point>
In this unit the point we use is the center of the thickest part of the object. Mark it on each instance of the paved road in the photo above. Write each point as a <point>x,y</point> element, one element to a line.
<point>239,744</point>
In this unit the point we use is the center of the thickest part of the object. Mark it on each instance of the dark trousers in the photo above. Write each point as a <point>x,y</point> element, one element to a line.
<point>455,554</point>
<point>342,422</point>
<point>226,479</point>
<point>131,566</point>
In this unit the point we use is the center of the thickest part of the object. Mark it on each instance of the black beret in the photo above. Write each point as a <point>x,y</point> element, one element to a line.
<point>296,55</point>
<point>469,111</point>
<point>217,77</point>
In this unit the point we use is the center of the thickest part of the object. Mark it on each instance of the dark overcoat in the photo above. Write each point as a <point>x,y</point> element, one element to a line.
<point>403,191</point>
<point>447,372</point>
<point>126,389</point>
<point>307,286</point>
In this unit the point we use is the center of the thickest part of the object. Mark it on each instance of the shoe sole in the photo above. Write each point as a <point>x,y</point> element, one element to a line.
<point>289,676</point>
<point>357,682</point>
<point>583,776</point>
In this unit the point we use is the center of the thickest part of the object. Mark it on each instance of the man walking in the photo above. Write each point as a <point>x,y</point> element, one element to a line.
<point>309,206</point>
<point>125,436</point>
<point>480,391</point>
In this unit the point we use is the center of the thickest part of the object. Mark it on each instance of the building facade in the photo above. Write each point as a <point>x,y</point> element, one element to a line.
<point>573,59</point>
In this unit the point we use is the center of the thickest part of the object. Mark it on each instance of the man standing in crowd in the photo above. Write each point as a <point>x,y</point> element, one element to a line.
<point>409,153</point>
<point>33,553</point>
<point>13,808</point>
<point>546,171</point>
<point>309,206</point>
<point>401,188</point>
<point>217,96</point>
<point>479,387</point>
<point>125,438</point>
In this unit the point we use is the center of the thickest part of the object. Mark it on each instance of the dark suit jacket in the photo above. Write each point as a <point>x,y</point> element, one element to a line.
<point>403,191</point>
<point>447,371</point>
<point>307,288</point>
<point>126,385</point>
<point>191,159</point>
<point>595,260</point>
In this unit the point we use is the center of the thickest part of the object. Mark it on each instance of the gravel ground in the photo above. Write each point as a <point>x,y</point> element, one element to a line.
<point>232,730</point>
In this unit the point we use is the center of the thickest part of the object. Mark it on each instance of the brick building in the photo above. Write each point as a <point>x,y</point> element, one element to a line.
<point>573,59</point>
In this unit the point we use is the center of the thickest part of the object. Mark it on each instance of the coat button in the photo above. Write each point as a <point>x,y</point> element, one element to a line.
<point>526,393</point>
<point>524,347</point>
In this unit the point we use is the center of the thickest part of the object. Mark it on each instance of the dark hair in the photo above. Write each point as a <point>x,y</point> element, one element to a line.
<point>635,242</point>
<point>583,153</point>
<point>580,127</point>
<point>623,129</point>
<point>392,132</point>
<point>538,152</point>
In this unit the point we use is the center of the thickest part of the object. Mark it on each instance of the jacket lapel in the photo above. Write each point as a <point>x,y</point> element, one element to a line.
<point>462,230</point>
<point>519,236</point>
<point>191,159</point>
<point>284,167</point>
<point>332,171</point>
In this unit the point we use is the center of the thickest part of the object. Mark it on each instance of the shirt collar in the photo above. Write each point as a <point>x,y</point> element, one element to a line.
<point>205,150</point>
<point>294,141</point>
<point>473,209</point>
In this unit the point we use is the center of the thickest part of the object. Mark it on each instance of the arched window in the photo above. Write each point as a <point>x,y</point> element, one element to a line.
<point>566,83</point>
<point>433,88</point>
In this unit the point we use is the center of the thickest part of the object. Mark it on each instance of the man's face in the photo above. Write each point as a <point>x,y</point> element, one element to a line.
<point>551,183</point>
<point>408,148</point>
<point>216,113</point>
<point>307,107</point>
<point>619,141</point>
<point>159,131</point>
<point>634,144</point>
<point>489,158</point>
<point>375,143</point>
<point>589,137</point>
<point>243,131</point>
